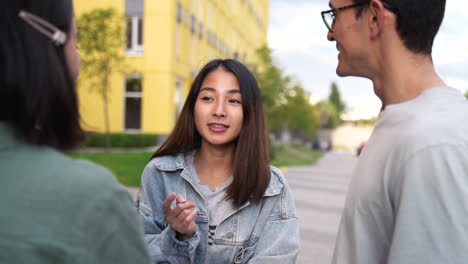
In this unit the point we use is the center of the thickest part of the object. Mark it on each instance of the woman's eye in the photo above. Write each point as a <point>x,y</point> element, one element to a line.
<point>206,98</point>
<point>235,101</point>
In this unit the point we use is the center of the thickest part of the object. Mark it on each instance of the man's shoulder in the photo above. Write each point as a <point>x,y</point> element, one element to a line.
<point>439,118</point>
<point>435,129</point>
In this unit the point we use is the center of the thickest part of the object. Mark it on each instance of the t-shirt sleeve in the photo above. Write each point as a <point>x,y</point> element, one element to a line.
<point>430,205</point>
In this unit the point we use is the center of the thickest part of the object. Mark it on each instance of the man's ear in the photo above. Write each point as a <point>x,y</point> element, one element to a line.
<point>376,17</point>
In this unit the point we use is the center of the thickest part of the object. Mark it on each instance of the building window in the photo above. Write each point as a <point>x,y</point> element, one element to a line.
<point>179,96</point>
<point>140,33</point>
<point>179,13</point>
<point>193,24</point>
<point>200,30</point>
<point>134,14</point>
<point>133,97</point>
<point>134,35</point>
<point>129,33</point>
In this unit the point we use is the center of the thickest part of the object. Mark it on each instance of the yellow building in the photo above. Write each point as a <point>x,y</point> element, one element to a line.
<point>168,41</point>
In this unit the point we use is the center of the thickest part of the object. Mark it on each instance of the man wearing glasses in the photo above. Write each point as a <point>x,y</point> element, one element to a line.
<point>408,199</point>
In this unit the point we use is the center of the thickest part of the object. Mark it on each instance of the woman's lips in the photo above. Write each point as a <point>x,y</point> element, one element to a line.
<point>218,127</point>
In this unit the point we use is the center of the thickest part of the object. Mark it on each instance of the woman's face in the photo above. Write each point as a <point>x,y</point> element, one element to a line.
<point>71,52</point>
<point>218,109</point>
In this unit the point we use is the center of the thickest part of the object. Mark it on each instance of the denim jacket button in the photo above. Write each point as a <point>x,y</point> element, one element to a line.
<point>229,235</point>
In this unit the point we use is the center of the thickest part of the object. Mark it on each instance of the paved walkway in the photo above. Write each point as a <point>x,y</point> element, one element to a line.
<point>320,192</point>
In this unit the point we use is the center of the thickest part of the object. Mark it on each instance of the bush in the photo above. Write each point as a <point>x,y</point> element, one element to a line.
<point>121,140</point>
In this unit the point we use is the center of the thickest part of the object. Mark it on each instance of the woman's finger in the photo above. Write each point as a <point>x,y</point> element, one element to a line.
<point>186,225</point>
<point>190,217</point>
<point>181,207</point>
<point>180,199</point>
<point>167,203</point>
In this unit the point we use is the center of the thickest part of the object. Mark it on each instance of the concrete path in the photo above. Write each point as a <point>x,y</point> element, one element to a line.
<point>320,192</point>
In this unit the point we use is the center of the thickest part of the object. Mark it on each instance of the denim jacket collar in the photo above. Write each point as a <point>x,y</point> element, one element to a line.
<point>177,162</point>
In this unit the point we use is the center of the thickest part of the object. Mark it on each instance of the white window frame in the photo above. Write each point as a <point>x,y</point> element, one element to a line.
<point>135,48</point>
<point>179,95</point>
<point>132,95</point>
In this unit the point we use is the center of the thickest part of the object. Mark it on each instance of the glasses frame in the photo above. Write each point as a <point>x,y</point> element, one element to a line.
<point>333,12</point>
<point>57,36</point>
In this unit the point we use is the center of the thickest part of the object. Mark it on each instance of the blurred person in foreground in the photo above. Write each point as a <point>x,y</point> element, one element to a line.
<point>53,209</point>
<point>408,199</point>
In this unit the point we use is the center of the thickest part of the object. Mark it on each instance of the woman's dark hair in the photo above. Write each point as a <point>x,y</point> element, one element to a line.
<point>37,92</point>
<point>418,21</point>
<point>251,169</point>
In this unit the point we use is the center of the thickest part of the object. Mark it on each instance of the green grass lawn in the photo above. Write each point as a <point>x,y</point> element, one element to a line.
<point>128,166</point>
<point>294,155</point>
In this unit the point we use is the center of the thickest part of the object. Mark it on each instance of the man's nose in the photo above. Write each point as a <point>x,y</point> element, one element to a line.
<point>330,36</point>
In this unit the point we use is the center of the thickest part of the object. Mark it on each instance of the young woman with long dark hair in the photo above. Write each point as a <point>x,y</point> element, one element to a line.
<point>209,195</point>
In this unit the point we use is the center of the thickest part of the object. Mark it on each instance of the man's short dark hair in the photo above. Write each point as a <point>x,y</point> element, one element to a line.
<point>418,21</point>
<point>37,92</point>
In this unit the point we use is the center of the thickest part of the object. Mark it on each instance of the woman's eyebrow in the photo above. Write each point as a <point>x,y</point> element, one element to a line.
<point>210,89</point>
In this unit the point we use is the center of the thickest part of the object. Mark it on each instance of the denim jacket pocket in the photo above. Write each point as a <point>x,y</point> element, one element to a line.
<point>240,251</point>
<point>245,252</point>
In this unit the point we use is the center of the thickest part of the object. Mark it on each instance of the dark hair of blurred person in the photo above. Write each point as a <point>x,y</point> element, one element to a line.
<point>53,209</point>
<point>37,90</point>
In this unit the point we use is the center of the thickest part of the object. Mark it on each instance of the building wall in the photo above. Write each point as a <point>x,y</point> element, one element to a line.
<point>173,53</point>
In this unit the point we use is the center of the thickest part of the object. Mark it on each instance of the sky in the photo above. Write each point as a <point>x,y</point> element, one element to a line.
<point>297,36</point>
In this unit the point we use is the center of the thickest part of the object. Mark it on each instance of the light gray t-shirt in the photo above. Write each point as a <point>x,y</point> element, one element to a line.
<point>408,200</point>
<point>215,200</point>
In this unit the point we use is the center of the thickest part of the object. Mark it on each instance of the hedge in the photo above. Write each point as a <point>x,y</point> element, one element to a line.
<point>121,140</point>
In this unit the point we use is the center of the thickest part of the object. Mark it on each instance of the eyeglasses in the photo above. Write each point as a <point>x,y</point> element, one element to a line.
<point>58,37</point>
<point>329,15</point>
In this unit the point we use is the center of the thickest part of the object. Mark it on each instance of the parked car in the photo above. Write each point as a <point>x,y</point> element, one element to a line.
<point>323,145</point>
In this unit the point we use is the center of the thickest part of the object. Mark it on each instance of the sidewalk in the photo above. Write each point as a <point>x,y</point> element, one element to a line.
<point>320,192</point>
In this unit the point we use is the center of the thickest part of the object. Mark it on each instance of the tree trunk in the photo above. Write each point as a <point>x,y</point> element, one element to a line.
<point>105,100</point>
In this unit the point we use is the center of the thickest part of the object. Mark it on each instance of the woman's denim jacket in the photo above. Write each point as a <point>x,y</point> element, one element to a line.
<point>266,232</point>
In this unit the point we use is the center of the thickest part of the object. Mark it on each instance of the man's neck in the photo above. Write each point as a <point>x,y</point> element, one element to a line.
<point>404,76</point>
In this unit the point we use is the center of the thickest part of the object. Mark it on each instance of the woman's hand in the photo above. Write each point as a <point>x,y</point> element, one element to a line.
<point>181,216</point>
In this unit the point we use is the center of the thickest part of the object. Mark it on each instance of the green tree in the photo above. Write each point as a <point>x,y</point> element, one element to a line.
<point>101,43</point>
<point>273,84</point>
<point>335,99</point>
<point>328,115</point>
<point>466,94</point>
<point>286,103</point>
<point>302,118</point>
